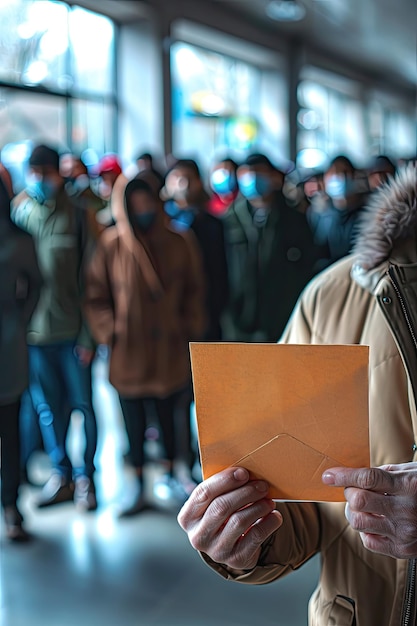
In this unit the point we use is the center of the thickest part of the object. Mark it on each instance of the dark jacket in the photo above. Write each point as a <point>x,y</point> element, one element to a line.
<point>20,285</point>
<point>60,235</point>
<point>209,233</point>
<point>270,259</point>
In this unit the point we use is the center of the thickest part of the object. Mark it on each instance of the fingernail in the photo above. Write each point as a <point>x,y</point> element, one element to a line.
<point>328,478</point>
<point>241,474</point>
<point>262,486</point>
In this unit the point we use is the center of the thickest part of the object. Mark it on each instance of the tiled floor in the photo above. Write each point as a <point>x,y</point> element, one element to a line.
<point>96,570</point>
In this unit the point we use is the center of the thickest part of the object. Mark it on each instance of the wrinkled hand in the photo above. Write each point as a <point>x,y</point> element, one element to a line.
<point>381,505</point>
<point>228,517</point>
<point>84,355</point>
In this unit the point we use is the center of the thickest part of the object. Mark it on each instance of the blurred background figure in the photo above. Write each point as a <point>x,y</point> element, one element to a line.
<point>107,170</point>
<point>60,348</point>
<point>379,171</point>
<point>20,284</point>
<point>79,189</point>
<point>145,300</point>
<point>186,204</point>
<point>336,208</point>
<point>270,252</point>
<point>145,163</point>
<point>223,185</point>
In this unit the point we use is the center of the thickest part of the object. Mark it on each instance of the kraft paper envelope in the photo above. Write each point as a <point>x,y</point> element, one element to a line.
<point>284,412</point>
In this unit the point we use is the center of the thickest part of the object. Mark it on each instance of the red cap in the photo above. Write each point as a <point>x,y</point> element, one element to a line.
<point>108,163</point>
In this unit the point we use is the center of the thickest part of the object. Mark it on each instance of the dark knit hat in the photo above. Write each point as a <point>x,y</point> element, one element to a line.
<point>44,156</point>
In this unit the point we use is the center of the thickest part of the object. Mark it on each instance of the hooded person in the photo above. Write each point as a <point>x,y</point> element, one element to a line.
<point>20,285</point>
<point>145,301</point>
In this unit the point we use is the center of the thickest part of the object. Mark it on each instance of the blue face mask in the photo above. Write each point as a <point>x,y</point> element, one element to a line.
<point>181,219</point>
<point>339,186</point>
<point>42,190</point>
<point>144,221</point>
<point>223,182</point>
<point>254,185</point>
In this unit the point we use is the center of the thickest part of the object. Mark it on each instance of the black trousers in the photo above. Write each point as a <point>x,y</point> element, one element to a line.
<point>10,453</point>
<point>173,415</point>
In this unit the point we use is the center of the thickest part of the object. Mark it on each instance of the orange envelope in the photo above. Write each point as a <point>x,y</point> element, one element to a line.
<point>284,412</point>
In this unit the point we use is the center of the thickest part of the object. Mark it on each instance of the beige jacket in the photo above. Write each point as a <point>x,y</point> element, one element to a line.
<point>368,298</point>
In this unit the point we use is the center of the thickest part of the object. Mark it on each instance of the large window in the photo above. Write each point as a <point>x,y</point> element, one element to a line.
<point>331,119</point>
<point>57,82</point>
<point>225,105</point>
<point>392,127</point>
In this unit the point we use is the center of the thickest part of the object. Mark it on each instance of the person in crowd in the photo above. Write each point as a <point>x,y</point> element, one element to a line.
<point>60,347</point>
<point>145,164</point>
<point>78,187</point>
<point>368,548</point>
<point>145,300</point>
<point>380,169</point>
<point>20,285</point>
<point>334,213</point>
<point>270,254</point>
<point>186,206</point>
<point>223,184</point>
<point>108,169</point>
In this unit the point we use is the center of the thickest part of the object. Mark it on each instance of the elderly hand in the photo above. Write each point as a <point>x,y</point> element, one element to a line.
<point>228,517</point>
<point>381,505</point>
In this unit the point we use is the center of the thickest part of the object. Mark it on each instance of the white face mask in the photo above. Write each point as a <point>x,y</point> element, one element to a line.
<point>335,186</point>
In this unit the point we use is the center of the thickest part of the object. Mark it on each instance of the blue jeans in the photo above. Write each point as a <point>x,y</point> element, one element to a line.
<point>58,385</point>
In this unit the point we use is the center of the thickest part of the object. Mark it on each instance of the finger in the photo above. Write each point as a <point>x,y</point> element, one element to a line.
<point>220,545</point>
<point>247,550</point>
<point>207,491</point>
<point>363,501</point>
<point>235,502</point>
<point>370,478</point>
<point>378,544</point>
<point>367,523</point>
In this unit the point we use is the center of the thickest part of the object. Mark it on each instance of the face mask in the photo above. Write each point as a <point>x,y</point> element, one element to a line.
<point>42,190</point>
<point>144,221</point>
<point>339,186</point>
<point>254,185</point>
<point>181,218</point>
<point>223,182</point>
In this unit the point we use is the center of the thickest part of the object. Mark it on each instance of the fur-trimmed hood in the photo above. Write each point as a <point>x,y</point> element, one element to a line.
<point>391,216</point>
<point>390,220</point>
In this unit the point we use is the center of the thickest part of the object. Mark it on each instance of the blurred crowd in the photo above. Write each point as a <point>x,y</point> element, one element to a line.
<point>131,265</point>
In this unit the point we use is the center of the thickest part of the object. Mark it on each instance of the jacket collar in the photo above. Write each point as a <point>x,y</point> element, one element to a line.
<point>388,231</point>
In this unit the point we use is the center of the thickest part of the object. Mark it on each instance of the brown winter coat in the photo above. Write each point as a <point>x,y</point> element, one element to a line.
<point>145,299</point>
<point>359,300</point>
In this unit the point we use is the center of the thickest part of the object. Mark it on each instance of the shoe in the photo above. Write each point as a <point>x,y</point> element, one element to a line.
<point>139,505</point>
<point>169,489</point>
<point>56,490</point>
<point>14,525</point>
<point>85,494</point>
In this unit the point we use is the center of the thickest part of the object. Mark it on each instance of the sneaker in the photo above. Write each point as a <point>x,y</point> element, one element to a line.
<point>85,494</point>
<point>139,504</point>
<point>56,490</point>
<point>14,525</point>
<point>169,489</point>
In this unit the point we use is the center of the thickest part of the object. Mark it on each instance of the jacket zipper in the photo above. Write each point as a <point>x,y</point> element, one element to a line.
<point>408,614</point>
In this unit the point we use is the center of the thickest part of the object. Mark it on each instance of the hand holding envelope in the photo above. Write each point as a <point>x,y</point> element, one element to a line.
<point>286,413</point>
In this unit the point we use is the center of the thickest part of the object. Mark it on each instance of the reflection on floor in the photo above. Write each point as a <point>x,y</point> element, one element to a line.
<point>96,570</point>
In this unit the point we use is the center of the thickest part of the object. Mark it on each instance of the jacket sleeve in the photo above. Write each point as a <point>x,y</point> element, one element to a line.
<point>194,308</point>
<point>34,279</point>
<point>98,299</point>
<point>299,537</point>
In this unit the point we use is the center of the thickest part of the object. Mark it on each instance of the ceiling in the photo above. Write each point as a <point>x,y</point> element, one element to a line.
<point>377,35</point>
<point>380,34</point>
